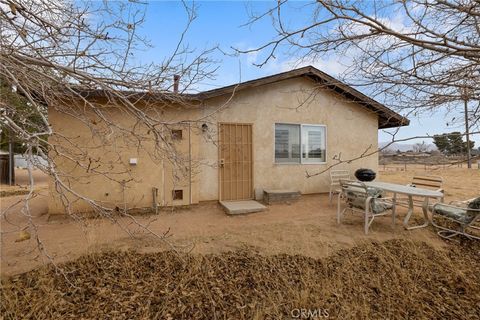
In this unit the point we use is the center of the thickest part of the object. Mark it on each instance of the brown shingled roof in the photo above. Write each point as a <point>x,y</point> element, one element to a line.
<point>387,117</point>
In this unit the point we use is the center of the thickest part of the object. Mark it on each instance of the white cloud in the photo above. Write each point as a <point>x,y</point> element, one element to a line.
<point>252,57</point>
<point>332,65</point>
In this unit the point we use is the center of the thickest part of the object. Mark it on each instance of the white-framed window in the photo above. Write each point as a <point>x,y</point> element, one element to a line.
<point>300,143</point>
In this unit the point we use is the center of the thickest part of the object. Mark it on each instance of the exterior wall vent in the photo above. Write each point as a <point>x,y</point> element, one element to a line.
<point>177,194</point>
<point>177,134</point>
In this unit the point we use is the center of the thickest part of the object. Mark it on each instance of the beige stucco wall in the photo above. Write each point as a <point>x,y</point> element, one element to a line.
<point>96,165</point>
<point>351,130</point>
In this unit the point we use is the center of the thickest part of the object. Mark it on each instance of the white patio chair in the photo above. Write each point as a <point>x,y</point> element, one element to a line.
<point>465,214</point>
<point>365,200</point>
<point>335,177</point>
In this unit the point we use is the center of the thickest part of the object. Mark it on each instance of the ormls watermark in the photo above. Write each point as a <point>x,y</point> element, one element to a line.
<point>306,313</point>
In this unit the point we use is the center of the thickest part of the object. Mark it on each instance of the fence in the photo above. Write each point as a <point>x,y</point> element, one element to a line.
<point>430,163</point>
<point>21,161</point>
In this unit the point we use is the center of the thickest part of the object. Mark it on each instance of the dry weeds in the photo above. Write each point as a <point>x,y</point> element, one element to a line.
<point>397,279</point>
<point>10,191</point>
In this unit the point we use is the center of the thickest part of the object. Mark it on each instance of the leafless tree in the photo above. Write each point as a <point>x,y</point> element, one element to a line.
<point>75,58</point>
<point>416,56</point>
<point>420,147</point>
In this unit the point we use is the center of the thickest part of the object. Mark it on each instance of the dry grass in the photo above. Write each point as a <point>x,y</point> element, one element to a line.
<point>396,279</point>
<point>12,192</point>
<point>17,190</point>
<point>459,183</point>
<point>21,186</point>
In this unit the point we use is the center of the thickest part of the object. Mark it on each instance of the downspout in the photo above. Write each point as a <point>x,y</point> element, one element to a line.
<point>164,200</point>
<point>155,199</point>
<point>467,133</point>
<point>190,159</point>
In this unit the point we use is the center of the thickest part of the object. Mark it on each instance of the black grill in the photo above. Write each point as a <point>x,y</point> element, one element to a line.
<point>365,174</point>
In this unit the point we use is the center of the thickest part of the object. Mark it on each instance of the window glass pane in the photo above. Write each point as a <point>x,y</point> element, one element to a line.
<point>313,144</point>
<point>287,143</point>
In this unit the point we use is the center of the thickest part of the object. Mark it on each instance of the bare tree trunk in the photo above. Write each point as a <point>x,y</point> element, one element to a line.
<point>469,156</point>
<point>11,159</point>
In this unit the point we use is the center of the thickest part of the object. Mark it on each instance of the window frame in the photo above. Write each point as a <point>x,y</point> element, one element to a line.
<point>301,143</point>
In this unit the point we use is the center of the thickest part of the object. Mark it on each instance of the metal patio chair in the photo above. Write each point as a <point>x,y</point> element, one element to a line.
<point>366,200</point>
<point>465,214</point>
<point>434,183</point>
<point>335,177</point>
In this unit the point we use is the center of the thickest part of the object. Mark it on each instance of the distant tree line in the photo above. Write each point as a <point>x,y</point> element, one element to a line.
<point>421,147</point>
<point>452,143</point>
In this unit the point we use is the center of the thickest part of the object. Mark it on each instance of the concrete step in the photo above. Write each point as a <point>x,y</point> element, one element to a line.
<point>280,195</point>
<point>242,207</point>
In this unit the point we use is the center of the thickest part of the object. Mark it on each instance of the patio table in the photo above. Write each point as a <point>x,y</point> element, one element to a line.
<point>410,192</point>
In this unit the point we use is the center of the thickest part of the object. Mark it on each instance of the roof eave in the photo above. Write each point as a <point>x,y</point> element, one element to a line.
<point>387,117</point>
<point>389,124</point>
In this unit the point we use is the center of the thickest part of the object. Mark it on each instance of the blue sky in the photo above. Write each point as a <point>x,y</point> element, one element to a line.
<point>220,23</point>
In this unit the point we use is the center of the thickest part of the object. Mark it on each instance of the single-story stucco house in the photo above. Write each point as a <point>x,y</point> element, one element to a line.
<point>235,142</point>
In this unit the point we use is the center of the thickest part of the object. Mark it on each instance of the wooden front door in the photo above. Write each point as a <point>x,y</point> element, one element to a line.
<point>235,161</point>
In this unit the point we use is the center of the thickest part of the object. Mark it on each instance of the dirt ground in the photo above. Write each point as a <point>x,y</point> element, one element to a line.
<point>307,227</point>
